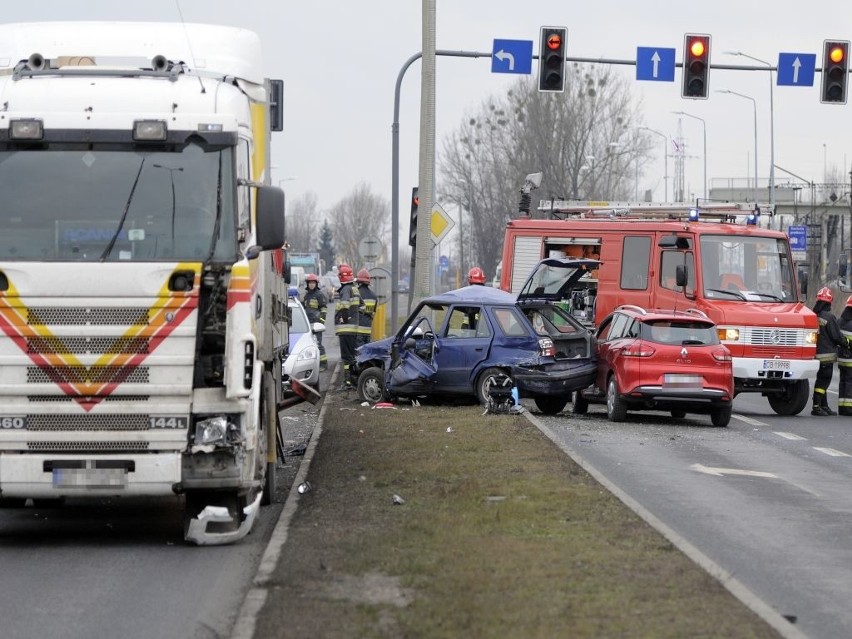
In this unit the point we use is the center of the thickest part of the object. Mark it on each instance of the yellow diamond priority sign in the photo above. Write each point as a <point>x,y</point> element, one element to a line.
<point>441,223</point>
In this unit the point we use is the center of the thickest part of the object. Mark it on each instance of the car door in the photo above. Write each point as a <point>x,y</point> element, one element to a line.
<point>609,343</point>
<point>413,369</point>
<point>463,343</point>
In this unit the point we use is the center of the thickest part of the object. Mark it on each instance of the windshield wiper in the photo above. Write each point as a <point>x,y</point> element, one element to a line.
<point>772,296</point>
<point>215,239</point>
<point>736,294</point>
<point>112,242</point>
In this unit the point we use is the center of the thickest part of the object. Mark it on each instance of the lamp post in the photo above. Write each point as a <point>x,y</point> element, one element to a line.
<point>665,161</point>
<point>771,129</point>
<point>704,128</point>
<point>754,103</point>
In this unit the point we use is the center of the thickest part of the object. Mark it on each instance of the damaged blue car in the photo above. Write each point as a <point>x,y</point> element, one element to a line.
<point>460,342</point>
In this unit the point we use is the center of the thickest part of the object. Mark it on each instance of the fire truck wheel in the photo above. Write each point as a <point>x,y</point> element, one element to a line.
<point>792,400</point>
<point>616,408</point>
<point>550,405</point>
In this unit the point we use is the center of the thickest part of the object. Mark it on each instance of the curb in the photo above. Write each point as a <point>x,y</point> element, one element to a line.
<point>246,622</point>
<point>762,609</point>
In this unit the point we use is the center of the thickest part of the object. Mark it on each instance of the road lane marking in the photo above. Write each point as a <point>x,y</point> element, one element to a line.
<point>791,436</point>
<point>832,451</point>
<point>719,472</point>
<point>749,420</point>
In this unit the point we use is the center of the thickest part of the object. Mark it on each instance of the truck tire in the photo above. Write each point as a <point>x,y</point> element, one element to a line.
<point>550,405</point>
<point>268,433</point>
<point>13,502</point>
<point>616,408</point>
<point>793,400</point>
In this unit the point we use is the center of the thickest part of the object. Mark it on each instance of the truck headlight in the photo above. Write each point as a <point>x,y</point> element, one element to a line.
<point>211,430</point>
<point>811,337</point>
<point>728,334</point>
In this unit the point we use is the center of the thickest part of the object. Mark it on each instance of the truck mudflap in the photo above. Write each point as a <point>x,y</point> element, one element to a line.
<point>198,534</point>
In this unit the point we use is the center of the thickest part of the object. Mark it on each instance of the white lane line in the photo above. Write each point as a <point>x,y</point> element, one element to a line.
<point>832,451</point>
<point>749,420</point>
<point>719,472</point>
<point>791,436</point>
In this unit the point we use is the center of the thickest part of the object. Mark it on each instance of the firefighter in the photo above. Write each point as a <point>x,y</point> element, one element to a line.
<point>828,341</point>
<point>844,360</point>
<point>347,321</point>
<point>476,276</point>
<point>368,307</point>
<point>316,307</point>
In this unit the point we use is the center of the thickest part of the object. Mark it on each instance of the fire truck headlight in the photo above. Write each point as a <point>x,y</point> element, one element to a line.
<point>211,430</point>
<point>728,334</point>
<point>811,338</point>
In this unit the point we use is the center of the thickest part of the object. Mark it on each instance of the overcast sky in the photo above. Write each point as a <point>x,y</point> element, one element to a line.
<point>339,60</point>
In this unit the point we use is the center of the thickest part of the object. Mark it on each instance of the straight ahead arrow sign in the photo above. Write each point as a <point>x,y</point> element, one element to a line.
<point>720,472</point>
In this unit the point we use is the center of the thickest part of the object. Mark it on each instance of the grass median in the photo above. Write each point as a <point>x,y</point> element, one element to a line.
<point>500,534</point>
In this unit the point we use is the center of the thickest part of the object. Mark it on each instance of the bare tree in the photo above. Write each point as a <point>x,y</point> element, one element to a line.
<point>358,215</point>
<point>303,221</point>
<point>585,141</point>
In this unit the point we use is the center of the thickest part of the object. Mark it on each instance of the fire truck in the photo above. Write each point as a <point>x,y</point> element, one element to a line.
<point>718,259</point>
<point>142,304</point>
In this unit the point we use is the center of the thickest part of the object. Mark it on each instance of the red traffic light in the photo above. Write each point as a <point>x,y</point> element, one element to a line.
<point>554,41</point>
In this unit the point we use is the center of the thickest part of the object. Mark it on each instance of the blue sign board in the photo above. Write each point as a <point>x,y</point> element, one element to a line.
<point>796,69</point>
<point>444,261</point>
<point>655,63</point>
<point>798,238</point>
<point>512,56</point>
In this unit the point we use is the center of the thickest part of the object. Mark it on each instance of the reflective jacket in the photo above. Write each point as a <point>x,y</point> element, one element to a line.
<point>346,310</point>
<point>367,310</point>
<point>315,305</point>
<point>829,338</point>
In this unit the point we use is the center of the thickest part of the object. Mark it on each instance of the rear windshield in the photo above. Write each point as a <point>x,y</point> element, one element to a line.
<point>679,332</point>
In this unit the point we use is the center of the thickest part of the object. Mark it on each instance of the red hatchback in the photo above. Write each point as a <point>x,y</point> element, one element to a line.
<point>661,360</point>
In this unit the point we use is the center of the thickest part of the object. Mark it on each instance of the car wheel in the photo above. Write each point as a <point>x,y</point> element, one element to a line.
<point>580,405</point>
<point>721,417</point>
<point>484,381</point>
<point>793,400</point>
<point>550,405</point>
<point>616,408</point>
<point>371,384</point>
<point>678,414</point>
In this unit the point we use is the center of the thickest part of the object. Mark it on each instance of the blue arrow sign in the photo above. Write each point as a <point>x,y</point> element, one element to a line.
<point>798,238</point>
<point>796,69</point>
<point>655,63</point>
<point>512,56</point>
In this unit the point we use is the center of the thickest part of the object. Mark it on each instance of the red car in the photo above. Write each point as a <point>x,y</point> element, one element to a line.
<point>653,359</point>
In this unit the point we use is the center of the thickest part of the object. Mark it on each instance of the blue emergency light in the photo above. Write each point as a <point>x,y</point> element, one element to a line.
<point>693,215</point>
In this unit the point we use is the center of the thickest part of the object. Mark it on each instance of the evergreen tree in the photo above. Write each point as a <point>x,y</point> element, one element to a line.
<point>326,246</point>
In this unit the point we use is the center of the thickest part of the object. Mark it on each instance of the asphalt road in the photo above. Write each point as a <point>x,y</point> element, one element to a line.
<point>768,498</point>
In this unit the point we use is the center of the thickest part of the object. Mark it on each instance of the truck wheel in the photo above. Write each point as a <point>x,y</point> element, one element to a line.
<point>616,408</point>
<point>265,470</point>
<point>13,502</point>
<point>793,400</point>
<point>580,405</point>
<point>550,405</point>
<point>721,417</point>
<point>371,384</point>
<point>484,381</point>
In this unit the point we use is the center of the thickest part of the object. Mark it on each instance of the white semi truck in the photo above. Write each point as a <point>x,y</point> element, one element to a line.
<point>142,304</point>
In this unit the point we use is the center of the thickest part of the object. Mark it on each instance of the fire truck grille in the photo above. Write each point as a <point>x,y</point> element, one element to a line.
<point>774,337</point>
<point>86,345</point>
<point>87,447</point>
<point>48,422</point>
<point>87,316</point>
<point>67,399</point>
<point>87,375</point>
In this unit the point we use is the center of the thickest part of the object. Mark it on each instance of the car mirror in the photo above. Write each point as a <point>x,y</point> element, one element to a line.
<point>317,327</point>
<point>410,343</point>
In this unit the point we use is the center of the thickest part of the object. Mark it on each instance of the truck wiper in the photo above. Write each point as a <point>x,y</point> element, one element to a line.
<point>215,239</point>
<point>112,242</point>
<point>736,294</point>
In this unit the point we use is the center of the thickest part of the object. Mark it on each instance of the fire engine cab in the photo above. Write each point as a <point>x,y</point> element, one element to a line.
<point>717,259</point>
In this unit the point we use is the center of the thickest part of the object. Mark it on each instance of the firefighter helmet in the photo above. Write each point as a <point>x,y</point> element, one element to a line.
<point>311,277</point>
<point>363,276</point>
<point>344,272</point>
<point>476,276</point>
<point>824,294</point>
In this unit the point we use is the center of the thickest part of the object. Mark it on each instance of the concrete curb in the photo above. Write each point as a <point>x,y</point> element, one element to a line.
<point>246,622</point>
<point>731,583</point>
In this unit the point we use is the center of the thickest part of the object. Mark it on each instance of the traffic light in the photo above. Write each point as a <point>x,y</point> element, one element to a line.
<point>835,72</point>
<point>415,203</point>
<point>696,66</point>
<point>551,59</point>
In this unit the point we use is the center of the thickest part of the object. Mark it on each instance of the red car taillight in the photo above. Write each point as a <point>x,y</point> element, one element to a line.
<point>638,349</point>
<point>545,347</point>
<point>722,355</point>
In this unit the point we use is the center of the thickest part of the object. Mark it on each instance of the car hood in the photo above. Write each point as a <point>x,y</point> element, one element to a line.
<point>374,350</point>
<point>553,278</point>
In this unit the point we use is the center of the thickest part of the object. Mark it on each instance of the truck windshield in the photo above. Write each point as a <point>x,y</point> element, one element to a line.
<point>746,268</point>
<point>64,203</point>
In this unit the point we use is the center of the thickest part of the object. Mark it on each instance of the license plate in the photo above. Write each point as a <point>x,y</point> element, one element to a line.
<point>776,364</point>
<point>89,477</point>
<point>676,380</point>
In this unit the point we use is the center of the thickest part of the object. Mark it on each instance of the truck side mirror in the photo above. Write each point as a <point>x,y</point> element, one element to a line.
<point>680,275</point>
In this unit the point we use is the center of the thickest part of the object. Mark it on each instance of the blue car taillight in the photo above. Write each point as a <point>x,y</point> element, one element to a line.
<point>545,347</point>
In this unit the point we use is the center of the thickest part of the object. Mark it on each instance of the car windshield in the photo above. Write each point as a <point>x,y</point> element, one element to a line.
<point>746,268</point>
<point>679,332</point>
<point>72,202</point>
<point>298,319</point>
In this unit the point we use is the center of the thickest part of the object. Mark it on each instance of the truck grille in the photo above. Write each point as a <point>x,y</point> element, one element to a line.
<point>87,316</point>
<point>87,374</point>
<point>84,345</point>
<point>67,398</point>
<point>60,447</point>
<point>773,337</point>
<point>49,422</point>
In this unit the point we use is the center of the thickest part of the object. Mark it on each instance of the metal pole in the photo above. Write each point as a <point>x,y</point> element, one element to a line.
<point>665,161</point>
<point>754,105</point>
<point>704,129</point>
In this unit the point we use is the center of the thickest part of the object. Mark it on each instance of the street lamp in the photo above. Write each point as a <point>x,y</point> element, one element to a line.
<point>754,103</point>
<point>771,129</point>
<point>665,160</point>
<point>704,128</point>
